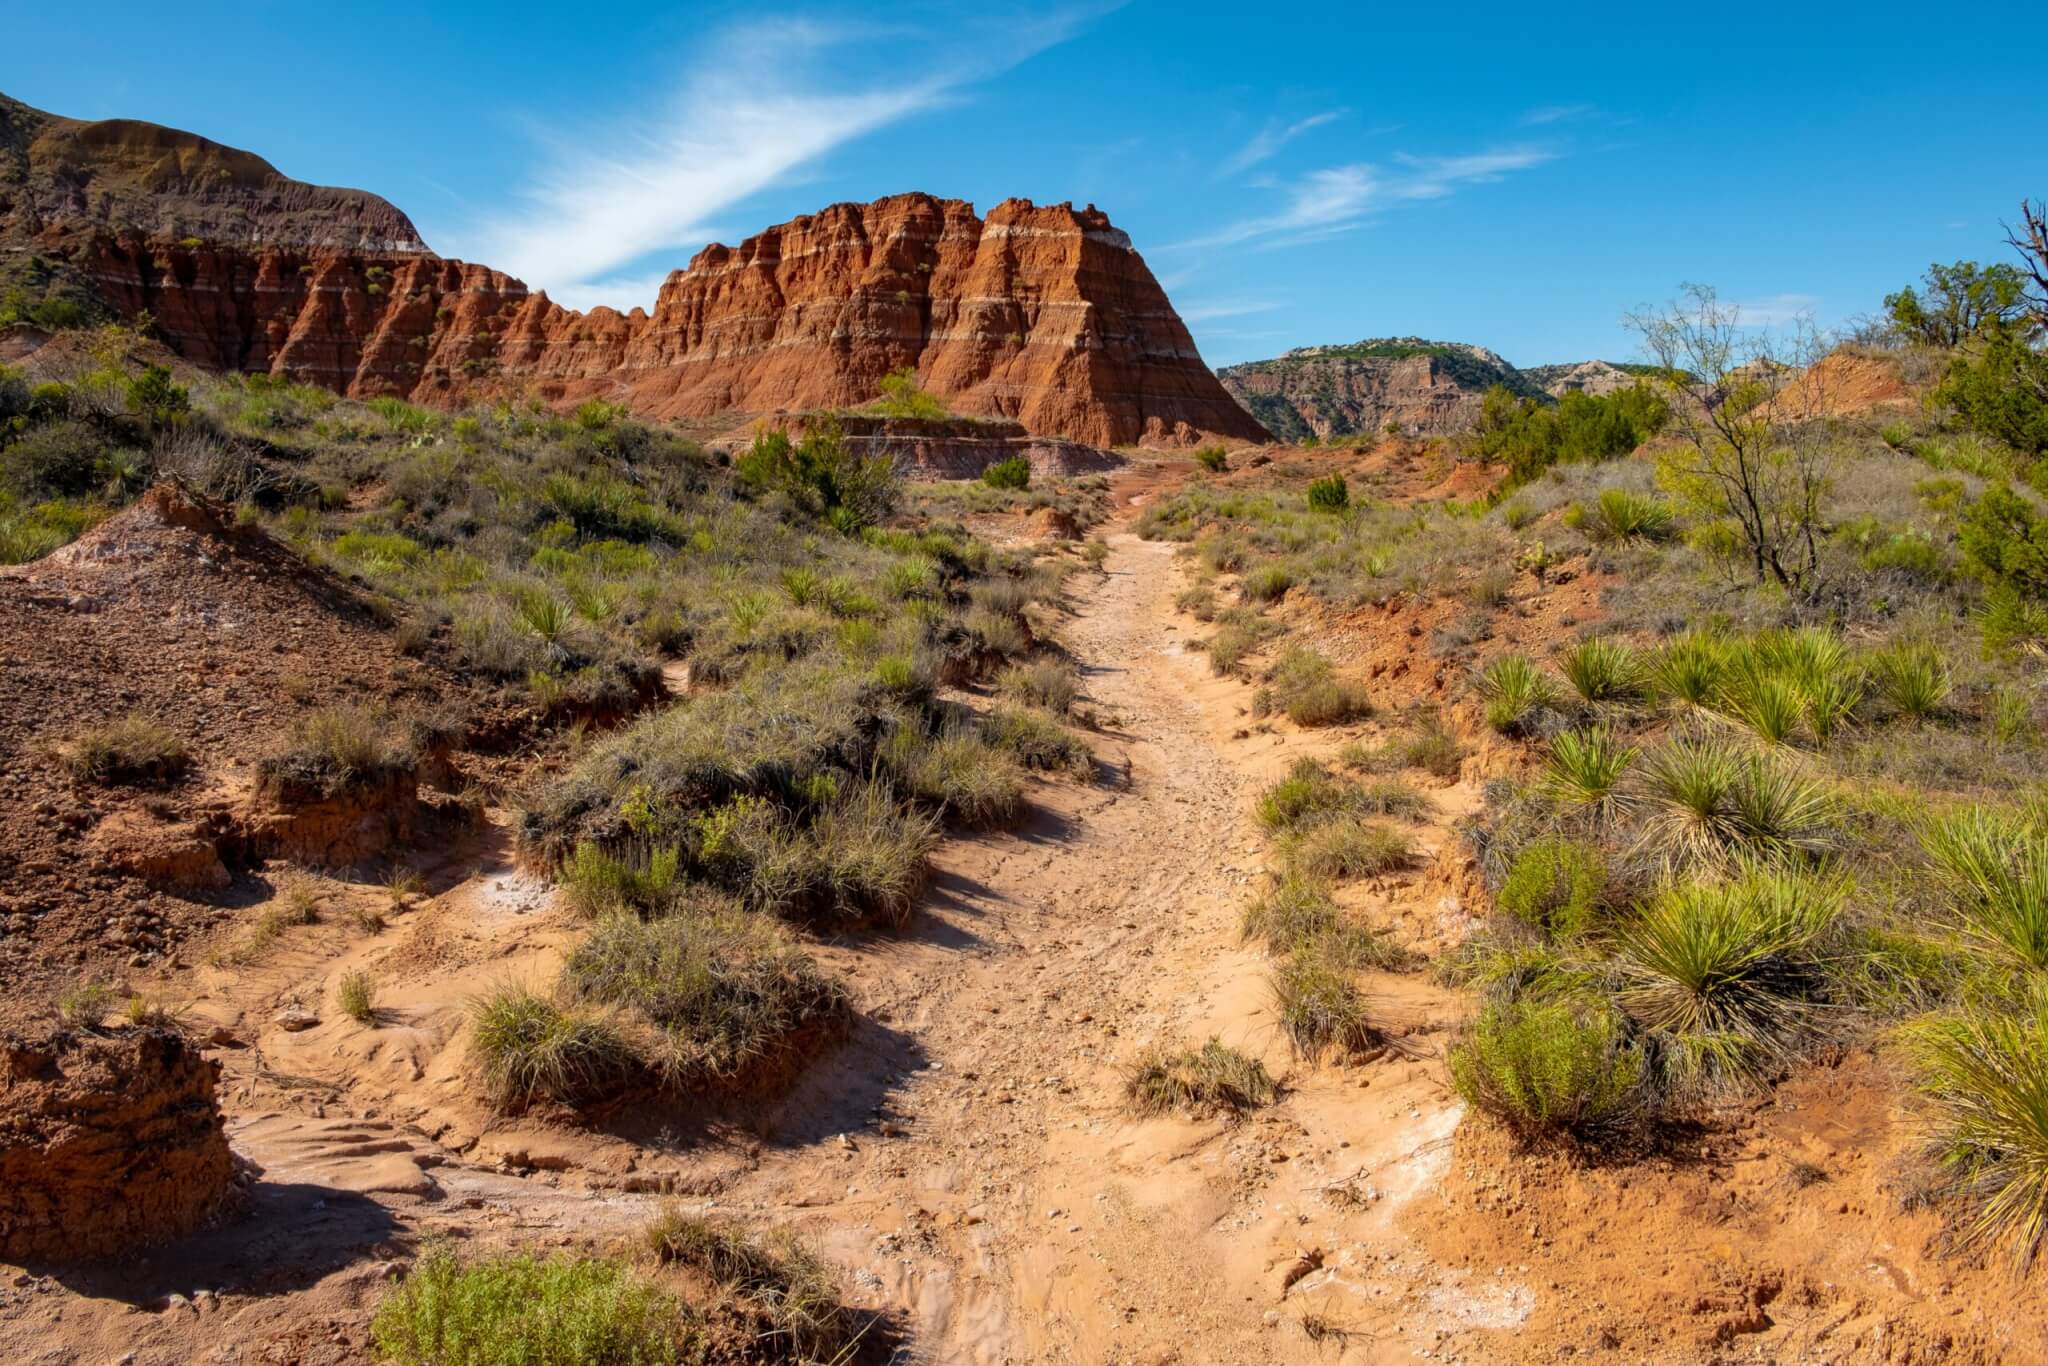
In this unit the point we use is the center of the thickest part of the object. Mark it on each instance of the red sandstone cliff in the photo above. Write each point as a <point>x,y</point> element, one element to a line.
<point>1042,314</point>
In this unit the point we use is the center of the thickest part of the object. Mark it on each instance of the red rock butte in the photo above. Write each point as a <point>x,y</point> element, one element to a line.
<point>1044,314</point>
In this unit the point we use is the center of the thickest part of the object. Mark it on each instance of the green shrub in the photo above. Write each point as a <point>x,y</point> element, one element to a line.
<point>1556,886</point>
<point>1515,692</point>
<point>558,1311</point>
<point>1692,668</point>
<point>961,772</point>
<point>1585,766</point>
<point>1267,583</point>
<point>789,1291</point>
<point>133,749</point>
<point>2001,389</point>
<point>1726,975</point>
<point>725,988</point>
<point>1603,669</point>
<point>1994,869</point>
<point>356,994</point>
<point>1348,848</point>
<point>1013,473</point>
<point>1618,515</point>
<point>1549,1069</point>
<point>642,879</point>
<point>1984,1077</point>
<point>1912,676</point>
<point>1308,794</point>
<point>1329,494</point>
<point>902,396</point>
<point>531,1049</point>
<point>1705,800</point>
<point>1213,459</point>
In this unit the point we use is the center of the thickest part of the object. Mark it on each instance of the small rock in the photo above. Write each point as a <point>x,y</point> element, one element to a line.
<point>292,1019</point>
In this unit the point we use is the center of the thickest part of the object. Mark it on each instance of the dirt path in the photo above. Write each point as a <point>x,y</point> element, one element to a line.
<point>965,1156</point>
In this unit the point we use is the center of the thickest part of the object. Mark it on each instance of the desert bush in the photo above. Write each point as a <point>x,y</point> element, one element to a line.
<point>962,772</point>
<point>1304,685</point>
<point>531,1049</point>
<point>1602,669</point>
<point>1551,1068</point>
<point>1726,976</point>
<point>133,749</point>
<point>1267,583</point>
<point>1348,848</point>
<point>1296,914</point>
<point>1037,740</point>
<point>356,994</point>
<point>1585,767</point>
<point>1213,459</point>
<point>1556,886</point>
<point>903,396</point>
<point>1913,677</point>
<point>725,988</point>
<point>1329,494</point>
<point>1993,868</point>
<point>790,1291</point>
<point>558,1311</point>
<point>1515,692</point>
<point>1321,1007</point>
<point>1309,793</point>
<point>336,749</point>
<point>1013,473</point>
<point>1704,800</point>
<point>1212,1079</point>
<point>1048,683</point>
<point>1983,1075</point>
<point>640,879</point>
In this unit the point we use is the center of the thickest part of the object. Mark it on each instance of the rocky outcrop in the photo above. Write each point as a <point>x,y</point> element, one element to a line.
<point>952,448</point>
<point>1041,314</point>
<point>107,1142</point>
<point>1426,387</point>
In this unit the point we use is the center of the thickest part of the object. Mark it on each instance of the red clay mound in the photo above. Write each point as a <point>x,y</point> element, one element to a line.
<point>107,1143</point>
<point>217,633</point>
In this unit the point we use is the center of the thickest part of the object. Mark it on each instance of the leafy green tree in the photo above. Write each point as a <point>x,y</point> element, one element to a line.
<point>2006,541</point>
<point>1961,301</point>
<point>2000,387</point>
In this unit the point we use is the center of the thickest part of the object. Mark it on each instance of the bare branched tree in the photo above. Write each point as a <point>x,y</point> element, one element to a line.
<point>1754,410</point>
<point>2030,240</point>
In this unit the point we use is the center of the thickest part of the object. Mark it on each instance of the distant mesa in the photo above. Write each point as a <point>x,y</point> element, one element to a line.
<point>1431,388</point>
<point>1041,314</point>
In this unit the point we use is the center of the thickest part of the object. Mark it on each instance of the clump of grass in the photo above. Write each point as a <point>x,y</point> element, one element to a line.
<point>1914,678</point>
<point>548,1312</point>
<point>133,749</point>
<point>1309,793</point>
<point>1048,683</point>
<point>1321,1007</point>
<point>1586,766</point>
<point>1556,886</point>
<point>790,1291</point>
<point>531,1049</point>
<point>1348,848</point>
<point>1984,1076</point>
<point>961,772</point>
<point>1427,745</point>
<point>596,881</point>
<point>1619,515</point>
<point>1726,976</point>
<point>153,1012</point>
<point>1994,868</point>
<point>725,988</point>
<point>334,750</point>
<point>1516,692</point>
<point>1550,1069</point>
<point>1602,670</point>
<point>356,994</point>
<point>1212,1079</point>
<point>85,1005</point>
<point>1296,914</point>
<point>1037,740</point>
<point>1304,685</point>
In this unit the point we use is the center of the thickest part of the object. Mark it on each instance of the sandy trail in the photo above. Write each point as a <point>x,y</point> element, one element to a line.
<point>964,1155</point>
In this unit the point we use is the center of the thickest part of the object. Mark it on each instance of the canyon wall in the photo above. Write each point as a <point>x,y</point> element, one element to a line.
<point>1042,314</point>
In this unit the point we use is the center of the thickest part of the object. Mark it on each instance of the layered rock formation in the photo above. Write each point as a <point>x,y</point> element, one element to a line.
<point>1429,387</point>
<point>107,1142</point>
<point>1044,315</point>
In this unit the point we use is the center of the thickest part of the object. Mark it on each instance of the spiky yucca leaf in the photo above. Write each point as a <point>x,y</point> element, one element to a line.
<point>1690,669</point>
<point>1996,870</point>
<point>1514,689</point>
<point>1986,1078</point>
<point>1602,669</point>
<point>1586,765</point>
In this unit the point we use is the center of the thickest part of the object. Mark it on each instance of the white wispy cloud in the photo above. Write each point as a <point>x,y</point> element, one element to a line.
<point>1205,312</point>
<point>1270,139</point>
<point>760,102</point>
<point>1338,199</point>
<point>1558,113</point>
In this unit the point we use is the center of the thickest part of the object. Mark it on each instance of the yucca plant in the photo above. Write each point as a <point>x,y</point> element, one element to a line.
<point>1726,976</point>
<point>1913,677</point>
<point>1995,867</point>
<point>1602,669</point>
<point>1586,765</point>
<point>544,614</point>
<point>1763,699</point>
<point>1783,811</point>
<point>1690,669</point>
<point>1985,1077</point>
<point>1687,791</point>
<point>1514,690</point>
<point>1619,515</point>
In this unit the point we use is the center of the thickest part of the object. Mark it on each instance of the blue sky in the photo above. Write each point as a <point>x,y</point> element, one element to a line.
<point>1517,176</point>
